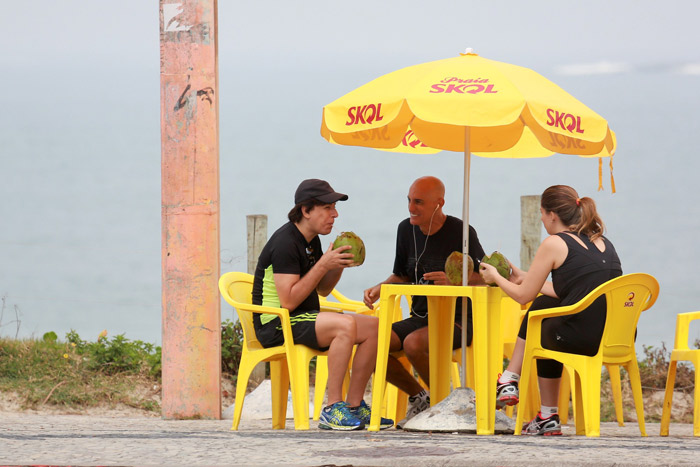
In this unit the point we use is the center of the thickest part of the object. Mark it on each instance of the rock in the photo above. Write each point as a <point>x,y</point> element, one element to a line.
<point>456,413</point>
<point>257,405</point>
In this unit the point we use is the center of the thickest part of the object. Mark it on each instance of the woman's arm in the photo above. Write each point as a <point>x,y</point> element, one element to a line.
<point>551,253</point>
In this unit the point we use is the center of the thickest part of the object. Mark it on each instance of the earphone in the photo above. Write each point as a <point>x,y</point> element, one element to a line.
<point>436,208</point>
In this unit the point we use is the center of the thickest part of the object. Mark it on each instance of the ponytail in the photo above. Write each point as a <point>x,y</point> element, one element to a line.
<point>579,214</point>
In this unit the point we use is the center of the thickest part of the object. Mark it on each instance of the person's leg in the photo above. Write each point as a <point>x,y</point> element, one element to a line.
<point>549,391</point>
<point>365,357</point>
<point>396,373</point>
<point>416,348</point>
<point>338,332</point>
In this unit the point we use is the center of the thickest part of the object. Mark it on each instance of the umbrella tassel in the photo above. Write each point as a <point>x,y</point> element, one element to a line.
<point>612,179</point>
<point>600,173</point>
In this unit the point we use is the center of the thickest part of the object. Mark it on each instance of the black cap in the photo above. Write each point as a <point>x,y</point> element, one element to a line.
<point>320,190</point>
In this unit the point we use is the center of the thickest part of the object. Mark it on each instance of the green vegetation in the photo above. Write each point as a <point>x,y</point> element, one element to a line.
<point>76,374</point>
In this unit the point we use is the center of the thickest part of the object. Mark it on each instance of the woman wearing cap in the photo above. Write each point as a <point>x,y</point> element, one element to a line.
<point>579,259</point>
<point>292,271</point>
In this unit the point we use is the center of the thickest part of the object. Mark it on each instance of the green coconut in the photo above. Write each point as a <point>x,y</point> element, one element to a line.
<point>453,267</point>
<point>498,261</point>
<point>358,246</point>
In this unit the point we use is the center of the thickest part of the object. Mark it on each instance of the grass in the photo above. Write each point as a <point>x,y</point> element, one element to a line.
<point>75,374</point>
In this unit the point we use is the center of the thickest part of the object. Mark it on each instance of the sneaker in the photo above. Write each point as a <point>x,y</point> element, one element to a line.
<point>339,417</point>
<point>416,406</point>
<point>363,413</point>
<point>506,394</point>
<point>543,427</point>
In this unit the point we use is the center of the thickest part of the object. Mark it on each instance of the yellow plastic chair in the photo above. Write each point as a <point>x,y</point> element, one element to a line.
<point>627,296</point>
<point>681,352</point>
<point>612,359</point>
<point>289,363</point>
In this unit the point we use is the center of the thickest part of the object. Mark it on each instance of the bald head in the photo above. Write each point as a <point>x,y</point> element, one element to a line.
<point>425,200</point>
<point>430,186</point>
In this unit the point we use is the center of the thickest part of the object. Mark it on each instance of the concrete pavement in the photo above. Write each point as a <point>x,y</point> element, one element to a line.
<point>27,439</point>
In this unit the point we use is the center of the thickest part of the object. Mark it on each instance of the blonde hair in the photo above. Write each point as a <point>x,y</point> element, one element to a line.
<point>580,214</point>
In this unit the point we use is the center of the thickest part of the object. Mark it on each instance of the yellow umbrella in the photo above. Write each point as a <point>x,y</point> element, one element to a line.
<point>472,104</point>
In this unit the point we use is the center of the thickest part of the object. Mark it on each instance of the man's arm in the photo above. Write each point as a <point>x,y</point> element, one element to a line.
<point>292,289</point>
<point>371,295</point>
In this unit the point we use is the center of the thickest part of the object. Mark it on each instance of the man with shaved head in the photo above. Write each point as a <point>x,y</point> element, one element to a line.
<point>423,243</point>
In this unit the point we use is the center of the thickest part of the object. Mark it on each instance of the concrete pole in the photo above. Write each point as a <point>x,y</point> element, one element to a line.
<point>190,209</point>
<point>530,229</point>
<point>257,237</point>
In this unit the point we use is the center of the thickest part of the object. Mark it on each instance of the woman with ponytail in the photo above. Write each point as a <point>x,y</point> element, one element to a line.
<point>579,259</point>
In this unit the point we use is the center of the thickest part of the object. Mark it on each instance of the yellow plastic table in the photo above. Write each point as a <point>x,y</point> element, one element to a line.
<point>486,342</point>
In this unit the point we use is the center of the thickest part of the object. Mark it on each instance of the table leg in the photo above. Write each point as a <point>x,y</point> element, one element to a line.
<point>488,356</point>
<point>440,334</point>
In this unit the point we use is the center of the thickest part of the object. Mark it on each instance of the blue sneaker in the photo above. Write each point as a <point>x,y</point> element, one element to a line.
<point>339,417</point>
<point>364,413</point>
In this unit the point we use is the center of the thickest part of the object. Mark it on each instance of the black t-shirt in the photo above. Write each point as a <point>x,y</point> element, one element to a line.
<point>286,252</point>
<point>431,255</point>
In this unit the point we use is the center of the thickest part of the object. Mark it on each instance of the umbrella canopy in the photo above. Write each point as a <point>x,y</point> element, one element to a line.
<point>472,104</point>
<point>511,111</point>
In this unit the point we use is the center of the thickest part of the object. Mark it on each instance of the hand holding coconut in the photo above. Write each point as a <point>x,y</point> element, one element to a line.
<point>494,266</point>
<point>354,245</point>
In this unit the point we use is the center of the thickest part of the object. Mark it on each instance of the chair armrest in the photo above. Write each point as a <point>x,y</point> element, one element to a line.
<point>343,303</point>
<point>281,312</point>
<point>683,321</point>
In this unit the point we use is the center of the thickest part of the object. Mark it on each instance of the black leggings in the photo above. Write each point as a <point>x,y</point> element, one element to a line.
<point>559,334</point>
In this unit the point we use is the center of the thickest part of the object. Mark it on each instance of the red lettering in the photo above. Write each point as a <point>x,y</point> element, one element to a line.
<point>351,116</point>
<point>559,119</point>
<point>477,88</point>
<point>550,118</point>
<point>489,89</point>
<point>578,125</point>
<point>436,88</point>
<point>379,113</point>
<point>457,88</point>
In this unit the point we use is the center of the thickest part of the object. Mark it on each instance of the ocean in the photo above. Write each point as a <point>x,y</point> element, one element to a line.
<point>80,164</point>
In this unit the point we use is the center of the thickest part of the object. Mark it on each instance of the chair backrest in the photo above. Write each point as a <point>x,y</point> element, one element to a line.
<point>627,296</point>
<point>236,288</point>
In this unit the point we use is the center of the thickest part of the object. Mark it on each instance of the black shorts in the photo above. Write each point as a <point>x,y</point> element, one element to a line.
<point>413,323</point>
<point>303,330</point>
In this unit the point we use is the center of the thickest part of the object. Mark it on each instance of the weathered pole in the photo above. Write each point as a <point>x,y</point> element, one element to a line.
<point>189,103</point>
<point>257,237</point>
<point>530,229</point>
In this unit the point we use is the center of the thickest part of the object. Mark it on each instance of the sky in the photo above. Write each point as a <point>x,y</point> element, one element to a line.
<point>68,58</point>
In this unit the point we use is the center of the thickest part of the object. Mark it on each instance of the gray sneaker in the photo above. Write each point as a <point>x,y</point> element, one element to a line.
<point>416,405</point>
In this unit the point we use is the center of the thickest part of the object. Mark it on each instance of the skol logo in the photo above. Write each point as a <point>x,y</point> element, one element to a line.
<point>462,88</point>
<point>410,140</point>
<point>630,300</point>
<point>363,114</point>
<point>565,121</point>
<point>372,135</point>
<point>566,142</point>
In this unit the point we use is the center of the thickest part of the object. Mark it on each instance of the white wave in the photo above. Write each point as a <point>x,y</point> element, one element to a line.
<point>690,69</point>
<point>597,68</point>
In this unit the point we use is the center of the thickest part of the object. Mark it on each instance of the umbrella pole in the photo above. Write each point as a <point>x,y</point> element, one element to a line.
<point>465,248</point>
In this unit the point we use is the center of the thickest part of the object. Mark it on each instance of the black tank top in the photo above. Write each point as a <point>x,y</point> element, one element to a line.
<point>584,269</point>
